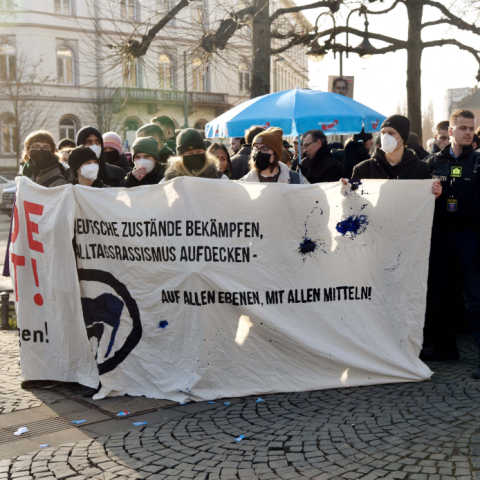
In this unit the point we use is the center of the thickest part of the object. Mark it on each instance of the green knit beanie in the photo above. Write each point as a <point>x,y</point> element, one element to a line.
<point>146,145</point>
<point>189,139</point>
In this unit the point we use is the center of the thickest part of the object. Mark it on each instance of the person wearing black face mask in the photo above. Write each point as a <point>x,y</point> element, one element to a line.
<point>265,165</point>
<point>42,164</point>
<point>112,146</point>
<point>192,160</point>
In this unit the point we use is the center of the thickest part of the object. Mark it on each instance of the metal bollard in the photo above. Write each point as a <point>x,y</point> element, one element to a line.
<point>5,296</point>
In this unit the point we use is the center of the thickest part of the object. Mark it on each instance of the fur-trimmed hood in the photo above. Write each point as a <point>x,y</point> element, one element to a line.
<point>176,168</point>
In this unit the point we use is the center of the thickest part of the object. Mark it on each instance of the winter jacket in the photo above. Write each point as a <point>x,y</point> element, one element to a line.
<point>164,154</point>
<point>458,207</point>
<point>422,154</point>
<point>172,145</point>
<point>323,167</point>
<point>409,168</point>
<point>284,177</point>
<point>433,149</point>
<point>355,153</point>
<point>52,176</point>
<point>176,168</point>
<point>109,174</point>
<point>240,160</point>
<point>122,163</point>
<point>152,178</point>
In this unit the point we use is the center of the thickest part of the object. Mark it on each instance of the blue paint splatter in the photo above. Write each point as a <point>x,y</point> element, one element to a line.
<point>163,324</point>
<point>307,246</point>
<point>352,226</point>
<point>355,183</point>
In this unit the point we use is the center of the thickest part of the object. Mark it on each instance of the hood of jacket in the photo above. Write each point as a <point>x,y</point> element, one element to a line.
<point>176,168</point>
<point>409,156</point>
<point>82,136</point>
<point>284,177</point>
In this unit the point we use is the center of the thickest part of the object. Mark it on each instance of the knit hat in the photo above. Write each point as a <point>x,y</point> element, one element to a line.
<point>272,137</point>
<point>146,145</point>
<point>112,140</point>
<point>189,139</point>
<point>400,123</point>
<point>66,143</point>
<point>78,156</point>
<point>362,136</point>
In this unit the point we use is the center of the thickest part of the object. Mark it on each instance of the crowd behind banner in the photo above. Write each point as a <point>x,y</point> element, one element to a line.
<point>160,153</point>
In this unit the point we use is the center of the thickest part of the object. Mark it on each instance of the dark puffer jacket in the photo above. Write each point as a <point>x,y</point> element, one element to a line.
<point>323,167</point>
<point>409,168</point>
<point>111,175</point>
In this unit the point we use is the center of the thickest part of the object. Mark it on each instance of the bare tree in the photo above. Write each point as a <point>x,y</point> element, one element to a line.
<point>428,125</point>
<point>20,100</point>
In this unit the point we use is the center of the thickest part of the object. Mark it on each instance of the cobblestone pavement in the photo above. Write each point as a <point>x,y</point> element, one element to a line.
<point>417,431</point>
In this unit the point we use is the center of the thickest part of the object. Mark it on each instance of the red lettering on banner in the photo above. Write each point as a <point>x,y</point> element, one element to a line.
<point>16,224</point>
<point>32,227</point>
<point>18,261</point>
<point>38,299</point>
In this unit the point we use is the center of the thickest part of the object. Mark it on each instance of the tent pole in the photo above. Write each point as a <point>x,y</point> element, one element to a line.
<point>299,150</point>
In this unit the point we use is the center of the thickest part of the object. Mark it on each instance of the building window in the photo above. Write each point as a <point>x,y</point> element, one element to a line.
<point>127,9</point>
<point>165,72</point>
<point>63,6</point>
<point>7,62</point>
<point>65,65</point>
<point>6,4</point>
<point>68,128</point>
<point>9,126</point>
<point>130,73</point>
<point>130,130</point>
<point>198,76</point>
<point>243,77</point>
<point>197,12</point>
<point>164,6</point>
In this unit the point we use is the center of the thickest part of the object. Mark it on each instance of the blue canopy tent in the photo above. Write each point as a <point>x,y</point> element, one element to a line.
<point>295,112</point>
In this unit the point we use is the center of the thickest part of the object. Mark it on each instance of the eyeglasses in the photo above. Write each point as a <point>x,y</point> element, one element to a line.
<point>46,148</point>
<point>263,149</point>
<point>306,145</point>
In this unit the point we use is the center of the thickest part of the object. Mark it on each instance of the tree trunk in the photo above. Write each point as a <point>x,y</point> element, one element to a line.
<point>261,50</point>
<point>414,66</point>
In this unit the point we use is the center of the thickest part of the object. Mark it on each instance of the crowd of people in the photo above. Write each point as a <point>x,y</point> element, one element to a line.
<point>160,153</point>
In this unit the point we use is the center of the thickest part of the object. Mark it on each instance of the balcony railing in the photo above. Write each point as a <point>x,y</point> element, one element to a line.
<point>176,96</point>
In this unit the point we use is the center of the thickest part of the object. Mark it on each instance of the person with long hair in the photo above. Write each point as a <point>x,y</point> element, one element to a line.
<point>221,152</point>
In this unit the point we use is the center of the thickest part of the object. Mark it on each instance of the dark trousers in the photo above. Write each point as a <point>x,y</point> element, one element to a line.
<point>453,260</point>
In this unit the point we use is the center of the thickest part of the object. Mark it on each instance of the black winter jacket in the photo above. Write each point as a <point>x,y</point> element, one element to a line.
<point>122,163</point>
<point>323,167</point>
<point>154,177</point>
<point>409,168</point>
<point>240,162</point>
<point>422,154</point>
<point>354,153</point>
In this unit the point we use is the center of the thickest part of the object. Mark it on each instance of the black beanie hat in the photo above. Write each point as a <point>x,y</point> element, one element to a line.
<point>78,156</point>
<point>362,136</point>
<point>400,123</point>
<point>189,139</point>
<point>66,143</point>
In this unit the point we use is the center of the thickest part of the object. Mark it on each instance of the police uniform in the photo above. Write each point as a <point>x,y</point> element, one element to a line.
<point>455,242</point>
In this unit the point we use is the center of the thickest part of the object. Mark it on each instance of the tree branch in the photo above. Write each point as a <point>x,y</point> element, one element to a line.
<point>454,20</point>
<point>380,12</point>
<point>333,5</point>
<point>137,49</point>
<point>436,22</point>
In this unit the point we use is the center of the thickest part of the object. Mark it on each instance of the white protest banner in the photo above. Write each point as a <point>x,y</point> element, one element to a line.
<point>53,341</point>
<point>201,289</point>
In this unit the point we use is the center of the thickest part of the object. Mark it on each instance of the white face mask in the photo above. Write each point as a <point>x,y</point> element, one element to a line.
<point>389,144</point>
<point>90,171</point>
<point>97,149</point>
<point>143,162</point>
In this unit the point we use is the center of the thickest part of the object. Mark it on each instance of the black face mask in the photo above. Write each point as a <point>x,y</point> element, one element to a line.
<point>195,162</point>
<point>262,160</point>
<point>43,159</point>
<point>111,157</point>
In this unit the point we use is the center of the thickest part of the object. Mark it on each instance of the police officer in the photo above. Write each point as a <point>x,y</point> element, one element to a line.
<point>455,236</point>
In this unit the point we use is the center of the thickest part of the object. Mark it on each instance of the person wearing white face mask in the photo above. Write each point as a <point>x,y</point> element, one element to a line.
<point>111,175</point>
<point>392,160</point>
<point>84,164</point>
<point>148,170</point>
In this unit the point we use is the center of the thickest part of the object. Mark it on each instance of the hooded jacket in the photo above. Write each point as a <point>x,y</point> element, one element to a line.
<point>111,175</point>
<point>323,167</point>
<point>354,153</point>
<point>240,161</point>
<point>422,154</point>
<point>176,168</point>
<point>377,167</point>
<point>433,149</point>
<point>284,177</point>
<point>122,163</point>
<point>52,176</point>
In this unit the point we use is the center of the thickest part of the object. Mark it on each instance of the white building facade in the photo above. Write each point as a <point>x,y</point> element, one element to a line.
<point>60,68</point>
